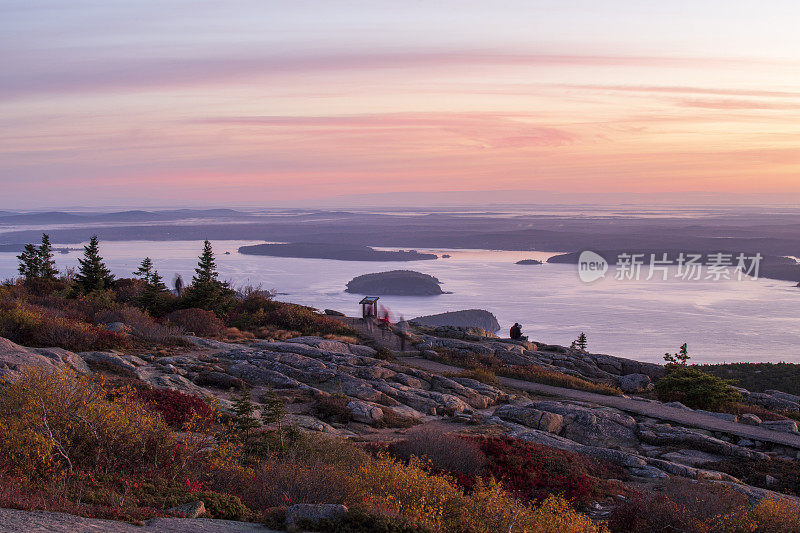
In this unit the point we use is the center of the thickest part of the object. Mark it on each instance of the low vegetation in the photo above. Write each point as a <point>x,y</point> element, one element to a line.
<point>698,507</point>
<point>776,474</point>
<point>758,377</point>
<point>695,388</point>
<point>83,445</point>
<point>486,365</point>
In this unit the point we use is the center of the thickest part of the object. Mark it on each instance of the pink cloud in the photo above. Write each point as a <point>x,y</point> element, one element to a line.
<point>25,76</point>
<point>488,129</point>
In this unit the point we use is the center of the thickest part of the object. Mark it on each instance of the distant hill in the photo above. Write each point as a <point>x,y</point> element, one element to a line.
<point>468,318</point>
<point>396,282</point>
<point>334,251</point>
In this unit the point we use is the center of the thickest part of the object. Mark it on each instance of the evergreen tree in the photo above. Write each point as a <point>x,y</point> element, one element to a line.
<point>582,343</point>
<point>93,275</point>
<point>30,263</point>
<point>206,271</point>
<point>680,358</point>
<point>244,420</point>
<point>207,291</point>
<point>273,412</point>
<point>157,283</point>
<point>155,297</point>
<point>145,270</point>
<point>47,265</point>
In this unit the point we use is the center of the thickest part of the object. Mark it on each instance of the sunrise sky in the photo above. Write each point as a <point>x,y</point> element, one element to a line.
<point>258,102</point>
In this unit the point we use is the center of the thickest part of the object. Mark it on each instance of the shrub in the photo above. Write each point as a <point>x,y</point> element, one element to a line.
<point>434,501</point>
<point>74,425</point>
<point>763,413</point>
<point>446,452</point>
<point>176,407</point>
<point>534,472</point>
<point>491,363</point>
<point>681,505</point>
<point>141,325</point>
<point>257,311</point>
<point>33,325</point>
<point>198,321</point>
<point>770,515</point>
<point>222,506</point>
<point>695,388</point>
<point>754,472</point>
<point>758,377</point>
<point>334,407</point>
<point>480,374</point>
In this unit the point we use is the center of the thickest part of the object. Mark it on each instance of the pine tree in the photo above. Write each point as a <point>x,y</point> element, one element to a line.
<point>155,297</point>
<point>30,263</point>
<point>244,421</point>
<point>207,291</point>
<point>145,270</point>
<point>93,275</point>
<point>273,412</point>
<point>680,358</point>
<point>206,271</point>
<point>47,265</point>
<point>156,283</point>
<point>581,343</point>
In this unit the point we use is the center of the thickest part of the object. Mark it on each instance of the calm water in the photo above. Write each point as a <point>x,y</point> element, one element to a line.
<point>722,321</point>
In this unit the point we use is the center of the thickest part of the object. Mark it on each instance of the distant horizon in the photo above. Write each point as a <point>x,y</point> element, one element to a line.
<point>305,103</point>
<point>453,199</point>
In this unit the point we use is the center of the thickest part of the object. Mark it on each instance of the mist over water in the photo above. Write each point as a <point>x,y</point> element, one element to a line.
<point>750,320</point>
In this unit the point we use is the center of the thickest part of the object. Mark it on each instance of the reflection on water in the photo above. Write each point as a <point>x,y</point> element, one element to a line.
<point>721,321</point>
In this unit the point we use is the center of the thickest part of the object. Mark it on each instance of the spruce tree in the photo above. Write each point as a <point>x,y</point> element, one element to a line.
<point>582,343</point>
<point>29,263</point>
<point>145,270</point>
<point>155,296</point>
<point>680,358</point>
<point>157,283</point>
<point>207,291</point>
<point>47,265</point>
<point>93,275</point>
<point>206,271</point>
<point>243,414</point>
<point>273,412</point>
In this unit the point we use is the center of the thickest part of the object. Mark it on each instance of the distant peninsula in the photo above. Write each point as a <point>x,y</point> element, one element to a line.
<point>528,262</point>
<point>467,318</point>
<point>339,252</point>
<point>395,282</point>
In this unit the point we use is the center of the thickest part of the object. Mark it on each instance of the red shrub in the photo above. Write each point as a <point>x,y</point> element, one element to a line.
<point>198,321</point>
<point>176,407</point>
<point>533,471</point>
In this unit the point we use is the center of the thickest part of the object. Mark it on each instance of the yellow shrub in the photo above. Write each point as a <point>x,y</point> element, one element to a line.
<point>411,491</point>
<point>24,451</point>
<point>770,515</point>
<point>82,426</point>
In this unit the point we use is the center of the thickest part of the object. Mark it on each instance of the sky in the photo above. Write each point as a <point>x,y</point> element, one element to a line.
<point>259,102</point>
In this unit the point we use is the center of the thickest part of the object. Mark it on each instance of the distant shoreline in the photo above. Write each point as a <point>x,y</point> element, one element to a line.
<point>335,252</point>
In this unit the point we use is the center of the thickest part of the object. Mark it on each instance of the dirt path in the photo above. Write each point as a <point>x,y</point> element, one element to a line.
<point>653,410</point>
